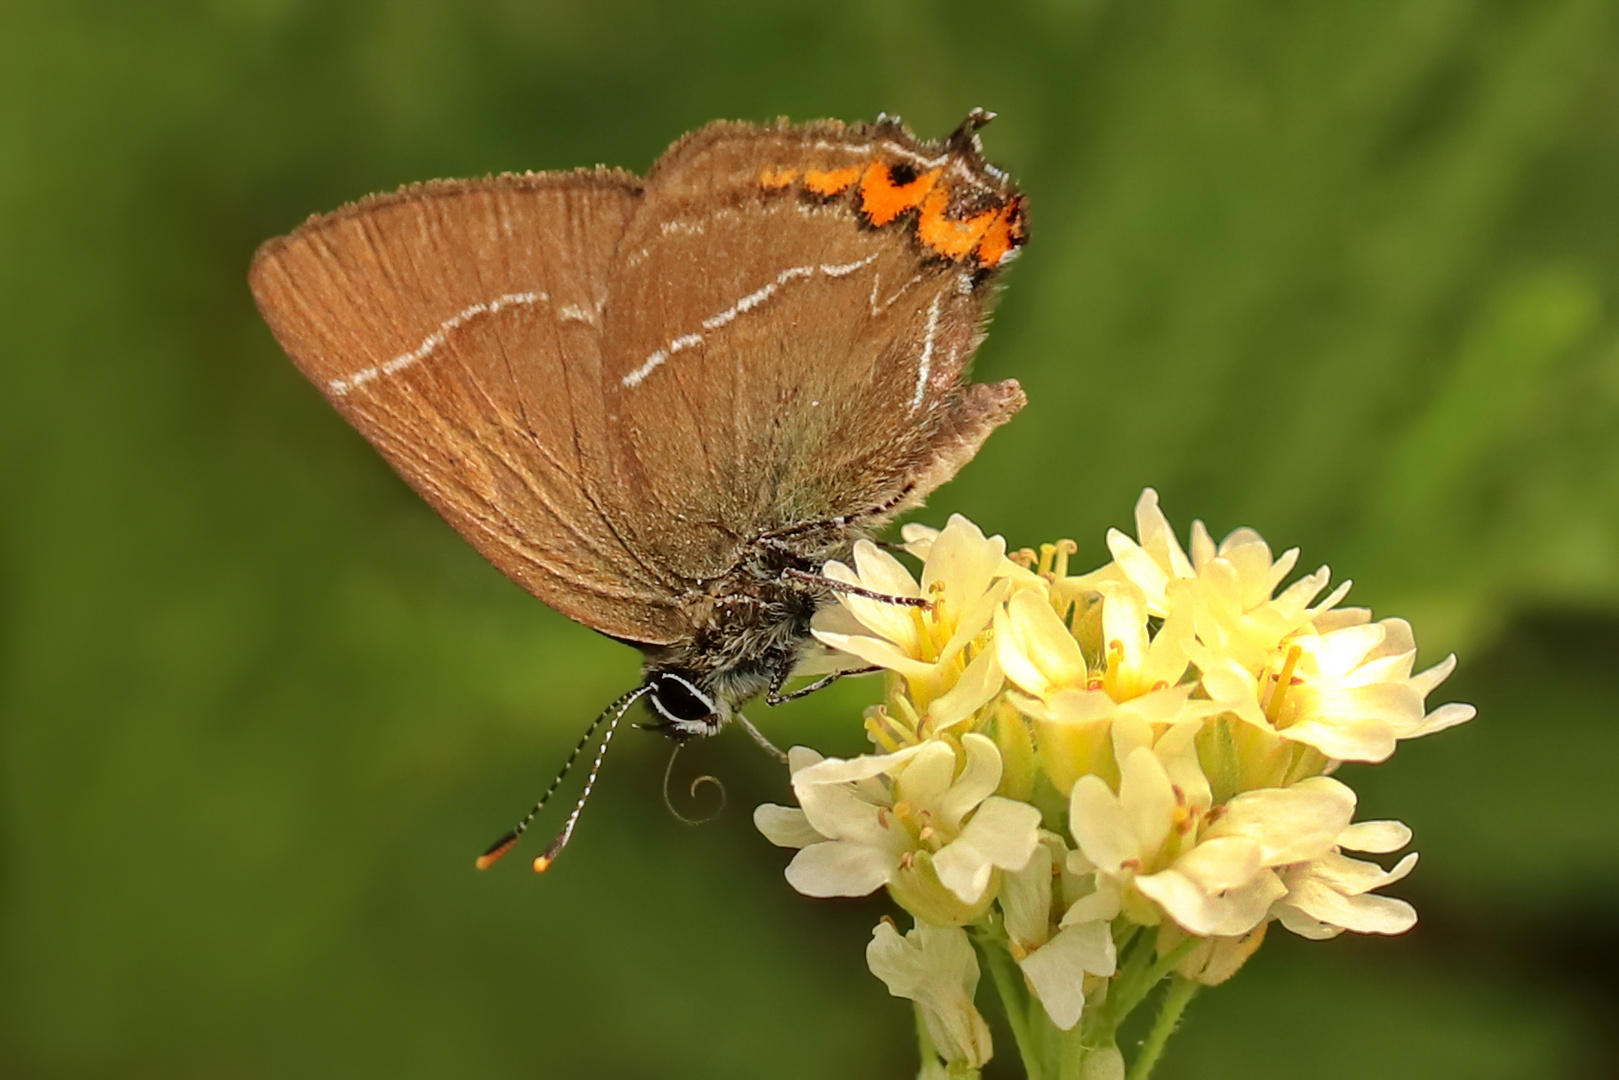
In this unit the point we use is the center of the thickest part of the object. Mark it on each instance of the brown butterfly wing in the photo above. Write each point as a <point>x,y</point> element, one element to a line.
<point>457,326</point>
<point>772,356</point>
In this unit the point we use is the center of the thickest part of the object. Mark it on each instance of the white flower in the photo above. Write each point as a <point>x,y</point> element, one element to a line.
<point>1231,587</point>
<point>1209,870</point>
<point>1056,960</point>
<point>1333,893</point>
<point>936,968</point>
<point>1330,679</point>
<point>919,540</point>
<point>966,577</point>
<point>1139,680</point>
<point>1345,687</point>
<point>906,820</point>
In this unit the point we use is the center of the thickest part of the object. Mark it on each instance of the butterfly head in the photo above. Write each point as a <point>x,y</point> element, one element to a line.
<point>683,707</point>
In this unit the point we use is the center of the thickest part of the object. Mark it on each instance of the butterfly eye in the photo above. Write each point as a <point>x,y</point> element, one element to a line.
<point>679,700</point>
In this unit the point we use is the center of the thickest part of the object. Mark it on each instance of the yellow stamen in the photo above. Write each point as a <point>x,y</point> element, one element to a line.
<point>874,728</point>
<point>1048,553</point>
<point>1283,681</point>
<point>908,723</point>
<point>1114,668</point>
<point>1064,548</point>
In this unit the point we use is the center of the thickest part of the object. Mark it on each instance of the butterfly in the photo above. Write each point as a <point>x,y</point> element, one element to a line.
<point>661,405</point>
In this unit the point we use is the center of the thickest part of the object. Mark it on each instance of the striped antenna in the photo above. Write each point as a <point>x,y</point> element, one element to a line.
<point>616,712</point>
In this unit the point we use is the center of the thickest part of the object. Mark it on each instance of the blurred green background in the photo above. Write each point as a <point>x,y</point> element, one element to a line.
<point>1348,273</point>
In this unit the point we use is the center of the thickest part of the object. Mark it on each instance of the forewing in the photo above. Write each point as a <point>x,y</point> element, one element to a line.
<point>456,325</point>
<point>776,355</point>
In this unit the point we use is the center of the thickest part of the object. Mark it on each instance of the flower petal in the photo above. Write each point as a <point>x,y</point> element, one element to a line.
<point>980,776</point>
<point>785,826</point>
<point>1378,837</point>
<point>924,779</point>
<point>1102,903</point>
<point>1346,736</point>
<point>1100,825</point>
<point>918,538</point>
<point>1351,877</point>
<point>1302,925</point>
<point>1446,716</point>
<point>802,757</point>
<point>846,770</point>
<point>936,968</point>
<point>1223,915</point>
<point>840,868</point>
<point>1293,823</point>
<point>881,572</point>
<point>877,651</point>
<point>1025,900</point>
<point>974,688</point>
<point>843,812</point>
<point>1124,637</point>
<point>1225,862</point>
<point>1057,970</point>
<point>976,618</point>
<point>1005,830</point>
<point>964,561</point>
<point>1140,569</point>
<point>1367,914</point>
<point>1428,681</point>
<point>1148,799</point>
<point>1068,706</point>
<point>1003,834</point>
<point>1034,646</point>
<point>1157,537</point>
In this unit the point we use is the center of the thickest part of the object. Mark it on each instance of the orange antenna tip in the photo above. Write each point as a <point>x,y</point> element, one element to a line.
<point>542,864</point>
<point>492,856</point>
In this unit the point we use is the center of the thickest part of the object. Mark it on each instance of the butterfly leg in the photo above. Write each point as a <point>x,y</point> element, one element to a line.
<point>834,585</point>
<point>842,521</point>
<point>776,697</point>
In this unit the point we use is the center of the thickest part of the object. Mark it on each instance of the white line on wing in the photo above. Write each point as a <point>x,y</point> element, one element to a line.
<point>924,364</point>
<point>432,341</point>
<point>741,307</point>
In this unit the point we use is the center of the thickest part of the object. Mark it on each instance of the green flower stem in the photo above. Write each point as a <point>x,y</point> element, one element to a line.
<point>1009,984</point>
<point>1141,975</point>
<point>1074,1051</point>
<point>1123,995</point>
<point>1180,992</point>
<point>1050,1054</point>
<point>1170,961</point>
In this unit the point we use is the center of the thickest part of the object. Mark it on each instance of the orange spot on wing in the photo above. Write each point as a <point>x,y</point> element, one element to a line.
<point>1003,235</point>
<point>777,178</point>
<point>947,237</point>
<point>824,182</point>
<point>883,200</point>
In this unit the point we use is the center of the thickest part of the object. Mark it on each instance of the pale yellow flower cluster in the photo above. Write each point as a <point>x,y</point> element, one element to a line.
<point>1066,760</point>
